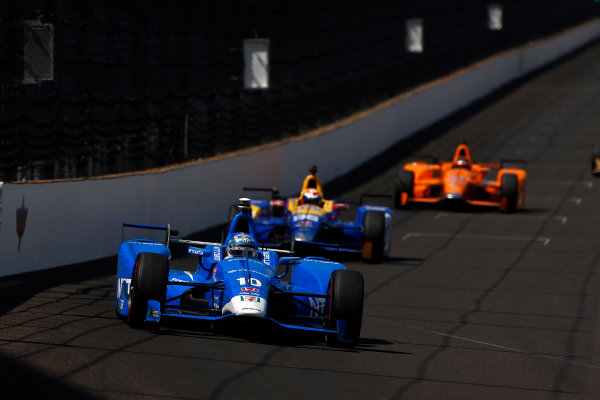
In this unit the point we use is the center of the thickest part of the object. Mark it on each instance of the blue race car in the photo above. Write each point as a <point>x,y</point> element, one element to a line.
<point>238,281</point>
<point>309,219</point>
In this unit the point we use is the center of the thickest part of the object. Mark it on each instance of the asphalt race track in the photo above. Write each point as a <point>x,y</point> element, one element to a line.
<point>474,304</point>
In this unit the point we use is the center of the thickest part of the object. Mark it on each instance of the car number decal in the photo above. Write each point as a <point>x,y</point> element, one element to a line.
<point>253,282</point>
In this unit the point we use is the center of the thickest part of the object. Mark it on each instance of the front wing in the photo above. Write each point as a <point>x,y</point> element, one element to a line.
<point>156,312</point>
<point>430,192</point>
<point>233,316</point>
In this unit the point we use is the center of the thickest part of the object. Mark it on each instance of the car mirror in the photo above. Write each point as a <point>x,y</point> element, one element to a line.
<point>342,206</point>
<point>289,260</point>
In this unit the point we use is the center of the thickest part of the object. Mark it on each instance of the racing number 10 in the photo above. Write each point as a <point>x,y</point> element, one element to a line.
<point>253,282</point>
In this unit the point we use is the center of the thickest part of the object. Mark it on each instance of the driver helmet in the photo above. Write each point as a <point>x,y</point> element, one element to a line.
<point>462,163</point>
<point>241,245</point>
<point>311,196</point>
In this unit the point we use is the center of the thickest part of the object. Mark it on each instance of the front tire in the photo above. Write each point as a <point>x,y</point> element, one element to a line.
<point>403,187</point>
<point>148,282</point>
<point>509,193</point>
<point>373,241</point>
<point>346,295</point>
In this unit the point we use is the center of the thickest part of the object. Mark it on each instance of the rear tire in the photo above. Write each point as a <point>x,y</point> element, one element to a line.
<point>403,186</point>
<point>148,282</point>
<point>373,240</point>
<point>509,192</point>
<point>346,294</point>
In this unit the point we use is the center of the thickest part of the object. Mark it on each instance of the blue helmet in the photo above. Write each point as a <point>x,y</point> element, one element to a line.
<point>241,245</point>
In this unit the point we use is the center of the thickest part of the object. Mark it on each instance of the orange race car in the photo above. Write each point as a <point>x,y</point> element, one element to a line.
<point>596,160</point>
<point>461,181</point>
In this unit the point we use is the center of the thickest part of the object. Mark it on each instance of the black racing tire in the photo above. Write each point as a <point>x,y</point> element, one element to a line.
<point>148,282</point>
<point>404,183</point>
<point>373,237</point>
<point>345,297</point>
<point>509,193</point>
<point>233,211</point>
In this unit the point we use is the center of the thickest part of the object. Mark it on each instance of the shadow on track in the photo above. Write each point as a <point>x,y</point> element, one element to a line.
<point>17,289</point>
<point>263,332</point>
<point>26,383</point>
<point>464,208</point>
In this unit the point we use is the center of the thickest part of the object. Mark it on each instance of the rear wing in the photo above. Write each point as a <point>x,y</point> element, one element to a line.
<point>167,229</point>
<point>512,161</point>
<point>274,191</point>
<point>488,165</point>
<point>424,157</point>
<point>374,196</point>
<point>364,196</point>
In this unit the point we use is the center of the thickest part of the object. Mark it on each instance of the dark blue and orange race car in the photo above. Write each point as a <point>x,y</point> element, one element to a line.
<point>311,220</point>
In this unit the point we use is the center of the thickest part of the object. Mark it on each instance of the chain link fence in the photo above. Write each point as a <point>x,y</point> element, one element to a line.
<point>97,87</point>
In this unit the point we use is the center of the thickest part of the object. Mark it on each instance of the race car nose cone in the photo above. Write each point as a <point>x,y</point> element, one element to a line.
<point>303,237</point>
<point>246,305</point>
<point>453,196</point>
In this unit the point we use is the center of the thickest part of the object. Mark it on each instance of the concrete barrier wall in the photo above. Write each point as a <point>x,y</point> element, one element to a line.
<point>75,221</point>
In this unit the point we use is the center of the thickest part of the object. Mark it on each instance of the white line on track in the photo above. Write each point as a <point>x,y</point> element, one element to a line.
<point>545,167</point>
<point>576,200</point>
<point>587,184</point>
<point>562,219</point>
<point>497,346</point>
<point>410,235</point>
